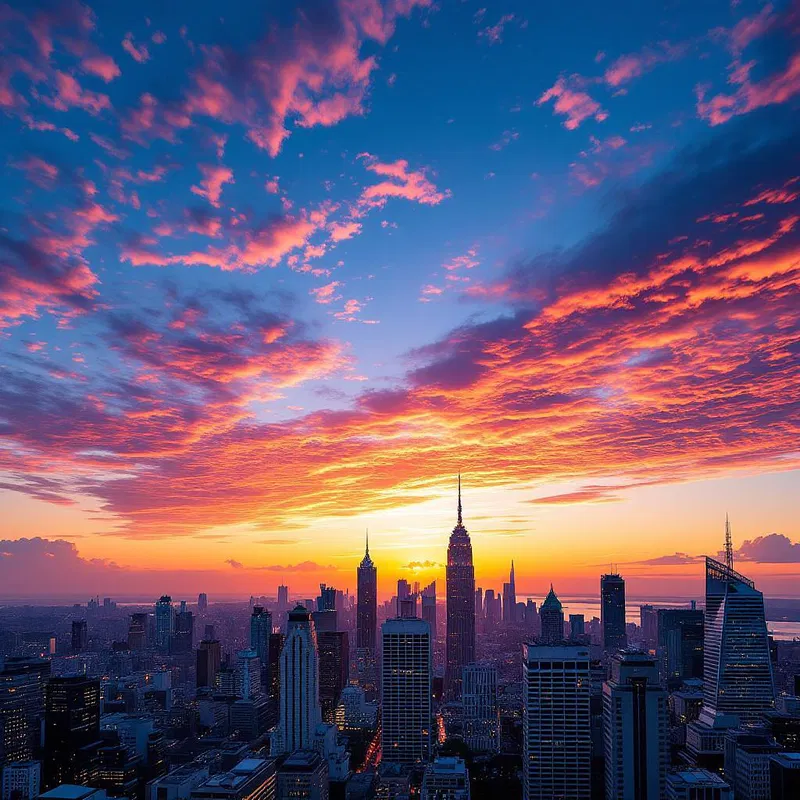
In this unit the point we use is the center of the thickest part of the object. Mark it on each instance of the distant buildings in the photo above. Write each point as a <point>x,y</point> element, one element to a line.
<point>612,612</point>
<point>556,722</point>
<point>202,602</point>
<point>429,608</point>
<point>634,729</point>
<point>80,636</point>
<point>551,616</point>
<point>406,678</point>
<point>481,708</point>
<point>209,656</point>
<point>460,644</point>
<point>260,632</point>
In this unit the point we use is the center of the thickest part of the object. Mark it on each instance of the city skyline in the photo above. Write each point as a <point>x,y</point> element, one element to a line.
<point>272,277</point>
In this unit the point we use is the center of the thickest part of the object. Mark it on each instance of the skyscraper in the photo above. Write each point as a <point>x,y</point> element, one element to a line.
<point>165,621</point>
<point>334,669</point>
<point>209,657</point>
<point>182,638</point>
<point>481,708</point>
<point>429,608</point>
<point>510,598</point>
<point>137,631</point>
<point>406,684</point>
<point>612,612</point>
<point>551,616</point>
<point>737,671</point>
<point>366,602</point>
<point>80,636</point>
<point>634,729</point>
<point>679,643</point>
<point>299,704</point>
<point>202,602</point>
<point>460,645</point>
<point>71,725</point>
<point>556,722</point>
<point>260,631</point>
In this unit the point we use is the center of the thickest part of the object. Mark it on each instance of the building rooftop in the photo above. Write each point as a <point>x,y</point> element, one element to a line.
<point>69,791</point>
<point>788,760</point>
<point>449,765</point>
<point>301,760</point>
<point>697,777</point>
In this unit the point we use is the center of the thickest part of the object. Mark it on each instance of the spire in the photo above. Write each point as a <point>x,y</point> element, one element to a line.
<point>728,543</point>
<point>459,499</point>
<point>366,553</point>
<point>512,573</point>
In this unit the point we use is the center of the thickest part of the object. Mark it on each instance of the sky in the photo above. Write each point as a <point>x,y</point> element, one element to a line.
<point>273,273</point>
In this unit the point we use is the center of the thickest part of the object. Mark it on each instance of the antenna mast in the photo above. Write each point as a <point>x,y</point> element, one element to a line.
<point>728,544</point>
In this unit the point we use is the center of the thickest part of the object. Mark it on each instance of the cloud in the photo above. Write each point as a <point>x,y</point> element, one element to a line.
<point>420,566</point>
<point>676,559</point>
<point>214,177</point>
<point>138,53</point>
<point>494,33</point>
<point>401,182</point>
<point>774,548</point>
<point>573,103</point>
<point>234,564</point>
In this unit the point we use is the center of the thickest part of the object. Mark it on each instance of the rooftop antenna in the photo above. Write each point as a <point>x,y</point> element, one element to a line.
<point>728,543</point>
<point>459,498</point>
<point>367,541</point>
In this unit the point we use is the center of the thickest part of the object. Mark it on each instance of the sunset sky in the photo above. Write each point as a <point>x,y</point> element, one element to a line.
<point>273,276</point>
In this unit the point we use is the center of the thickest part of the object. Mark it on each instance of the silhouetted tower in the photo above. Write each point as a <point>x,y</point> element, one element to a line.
<point>728,544</point>
<point>460,643</point>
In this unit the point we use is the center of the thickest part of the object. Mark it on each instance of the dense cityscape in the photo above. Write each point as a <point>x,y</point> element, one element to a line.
<point>481,695</point>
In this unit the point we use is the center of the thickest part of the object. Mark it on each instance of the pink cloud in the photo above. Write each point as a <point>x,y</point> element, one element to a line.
<point>405,183</point>
<point>102,66</point>
<point>340,231</point>
<point>327,293</point>
<point>214,177</point>
<point>575,105</point>
<point>69,94</point>
<point>494,33</point>
<point>38,171</point>
<point>139,53</point>
<point>467,261</point>
<point>634,65</point>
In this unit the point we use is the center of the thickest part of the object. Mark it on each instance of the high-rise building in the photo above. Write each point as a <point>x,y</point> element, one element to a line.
<point>748,753</point>
<point>491,609</point>
<point>481,708</point>
<point>612,612</point>
<point>303,776</point>
<point>460,644</point>
<point>634,729</point>
<point>406,686</point>
<point>182,638</point>
<point>209,656</point>
<point>260,631</point>
<point>679,643</point>
<point>556,722</point>
<point>80,635</point>
<point>551,616</point>
<point>479,610</point>
<point>21,780</point>
<point>577,626</point>
<point>446,778</point>
<point>737,671</point>
<point>137,631</point>
<point>248,674</point>
<point>510,598</point>
<point>71,726</point>
<point>202,602</point>
<point>334,670</point>
<point>429,607</point>
<point>697,784</point>
<point>299,703</point>
<point>366,602</point>
<point>282,605</point>
<point>165,621</point>
<point>22,688</point>
<point>648,622</point>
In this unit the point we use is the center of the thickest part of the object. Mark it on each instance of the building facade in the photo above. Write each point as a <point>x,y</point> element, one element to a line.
<point>556,722</point>
<point>612,612</point>
<point>481,708</point>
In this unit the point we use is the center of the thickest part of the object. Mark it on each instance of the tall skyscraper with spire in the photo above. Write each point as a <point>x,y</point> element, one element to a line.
<point>367,602</point>
<point>510,598</point>
<point>460,645</point>
<point>366,623</point>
